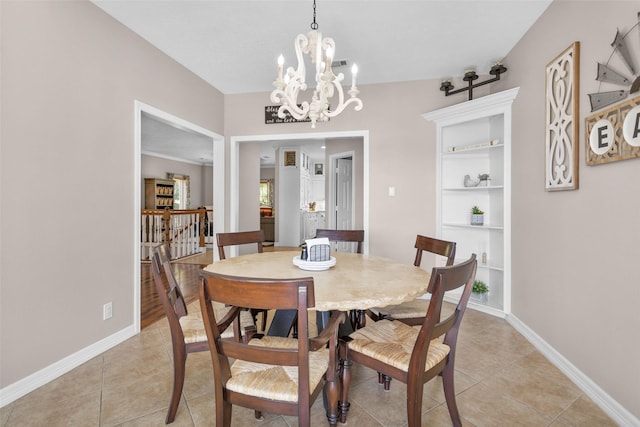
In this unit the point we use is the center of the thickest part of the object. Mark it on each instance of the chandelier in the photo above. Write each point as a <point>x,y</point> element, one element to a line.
<point>321,52</point>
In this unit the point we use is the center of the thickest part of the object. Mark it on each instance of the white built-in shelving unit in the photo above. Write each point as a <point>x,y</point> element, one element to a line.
<point>474,138</point>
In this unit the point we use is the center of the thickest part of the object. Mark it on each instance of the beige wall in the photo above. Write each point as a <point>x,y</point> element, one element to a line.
<point>207,185</point>
<point>575,253</point>
<point>402,154</point>
<point>157,167</point>
<point>70,76</point>
<point>249,187</point>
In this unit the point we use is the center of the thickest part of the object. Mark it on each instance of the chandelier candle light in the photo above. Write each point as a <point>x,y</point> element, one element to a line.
<point>287,87</point>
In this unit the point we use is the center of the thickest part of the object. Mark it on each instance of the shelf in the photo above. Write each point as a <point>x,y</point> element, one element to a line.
<point>487,266</point>
<point>470,149</point>
<point>158,193</point>
<point>474,138</point>
<point>491,187</point>
<point>475,227</point>
<point>490,267</point>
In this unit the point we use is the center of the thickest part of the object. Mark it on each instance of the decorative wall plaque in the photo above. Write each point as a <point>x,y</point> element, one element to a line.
<point>613,134</point>
<point>562,130</point>
<point>271,116</point>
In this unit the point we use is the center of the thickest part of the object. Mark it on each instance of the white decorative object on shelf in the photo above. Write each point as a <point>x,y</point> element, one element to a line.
<point>468,182</point>
<point>491,143</point>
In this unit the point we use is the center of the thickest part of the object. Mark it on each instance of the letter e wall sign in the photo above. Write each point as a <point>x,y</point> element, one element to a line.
<point>613,134</point>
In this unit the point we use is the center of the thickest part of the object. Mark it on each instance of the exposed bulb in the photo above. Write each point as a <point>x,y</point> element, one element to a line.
<point>329,54</point>
<point>354,73</point>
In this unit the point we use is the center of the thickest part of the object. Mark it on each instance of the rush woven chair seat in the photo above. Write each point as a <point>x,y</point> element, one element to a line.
<point>410,355</point>
<point>413,312</point>
<point>244,238</point>
<point>270,374</point>
<point>188,334</point>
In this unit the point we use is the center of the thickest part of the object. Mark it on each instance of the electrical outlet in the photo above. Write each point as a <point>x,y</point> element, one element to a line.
<point>107,311</point>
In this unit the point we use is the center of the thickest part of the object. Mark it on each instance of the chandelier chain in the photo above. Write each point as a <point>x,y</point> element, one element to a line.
<point>314,24</point>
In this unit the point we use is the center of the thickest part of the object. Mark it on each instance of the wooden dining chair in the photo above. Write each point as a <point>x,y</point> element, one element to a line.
<point>413,312</point>
<point>270,374</point>
<point>411,355</point>
<point>356,238</point>
<point>353,236</point>
<point>185,322</point>
<point>244,238</point>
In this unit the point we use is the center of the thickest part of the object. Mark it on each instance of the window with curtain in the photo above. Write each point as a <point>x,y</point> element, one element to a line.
<point>266,193</point>
<point>181,191</point>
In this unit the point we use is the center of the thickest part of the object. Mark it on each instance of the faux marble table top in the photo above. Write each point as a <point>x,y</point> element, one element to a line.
<point>356,281</point>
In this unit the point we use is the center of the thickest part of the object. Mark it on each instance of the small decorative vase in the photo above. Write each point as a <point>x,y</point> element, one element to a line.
<point>484,183</point>
<point>477,219</point>
<point>483,298</point>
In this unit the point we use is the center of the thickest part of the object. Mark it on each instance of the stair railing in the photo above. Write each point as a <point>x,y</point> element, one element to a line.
<point>188,231</point>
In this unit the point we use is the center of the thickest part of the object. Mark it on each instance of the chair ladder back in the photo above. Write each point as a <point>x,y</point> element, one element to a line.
<point>251,293</point>
<point>173,293</point>
<point>353,236</point>
<point>239,238</point>
<point>436,246</point>
<point>445,279</point>
<point>167,286</point>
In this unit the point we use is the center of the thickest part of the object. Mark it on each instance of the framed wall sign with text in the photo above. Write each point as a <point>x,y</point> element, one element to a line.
<point>613,134</point>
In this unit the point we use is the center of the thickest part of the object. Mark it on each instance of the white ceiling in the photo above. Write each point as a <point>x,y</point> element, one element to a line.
<point>234,44</point>
<point>170,141</point>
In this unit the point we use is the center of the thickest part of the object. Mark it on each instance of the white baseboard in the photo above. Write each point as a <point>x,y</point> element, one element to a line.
<point>38,379</point>
<point>453,298</point>
<point>609,405</point>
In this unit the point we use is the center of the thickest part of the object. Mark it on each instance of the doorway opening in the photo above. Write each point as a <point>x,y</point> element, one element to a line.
<point>172,123</point>
<point>342,201</point>
<point>234,181</point>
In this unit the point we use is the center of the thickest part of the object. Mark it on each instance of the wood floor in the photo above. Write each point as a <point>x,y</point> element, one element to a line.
<point>186,272</point>
<point>150,306</point>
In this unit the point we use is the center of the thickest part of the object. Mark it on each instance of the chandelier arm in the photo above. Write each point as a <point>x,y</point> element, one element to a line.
<point>342,104</point>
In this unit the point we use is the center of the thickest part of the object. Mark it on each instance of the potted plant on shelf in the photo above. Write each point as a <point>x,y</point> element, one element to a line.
<point>480,291</point>
<point>484,179</point>
<point>477,216</point>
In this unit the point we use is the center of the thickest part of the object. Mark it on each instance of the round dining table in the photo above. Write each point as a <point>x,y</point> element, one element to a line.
<point>356,281</point>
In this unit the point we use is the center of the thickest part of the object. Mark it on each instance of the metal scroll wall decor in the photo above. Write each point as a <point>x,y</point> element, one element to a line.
<point>562,89</point>
<point>614,73</point>
<point>614,133</point>
<point>470,76</point>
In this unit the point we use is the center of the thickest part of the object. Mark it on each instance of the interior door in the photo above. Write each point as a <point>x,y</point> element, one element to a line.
<point>344,195</point>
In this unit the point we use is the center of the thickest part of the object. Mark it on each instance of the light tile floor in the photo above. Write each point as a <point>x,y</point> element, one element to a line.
<point>501,380</point>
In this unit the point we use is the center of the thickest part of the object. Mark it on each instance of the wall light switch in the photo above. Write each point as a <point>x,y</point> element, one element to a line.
<point>392,191</point>
<point>107,311</point>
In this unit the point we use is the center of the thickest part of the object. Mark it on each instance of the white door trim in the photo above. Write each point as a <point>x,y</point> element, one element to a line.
<point>218,186</point>
<point>234,142</point>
